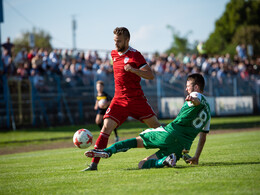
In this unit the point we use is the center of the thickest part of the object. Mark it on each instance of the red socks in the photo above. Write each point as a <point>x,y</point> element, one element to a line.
<point>101,143</point>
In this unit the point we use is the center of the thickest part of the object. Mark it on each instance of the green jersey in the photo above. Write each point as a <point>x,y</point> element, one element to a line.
<point>190,121</point>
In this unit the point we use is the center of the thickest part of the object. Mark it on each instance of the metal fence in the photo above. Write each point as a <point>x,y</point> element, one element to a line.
<point>52,100</point>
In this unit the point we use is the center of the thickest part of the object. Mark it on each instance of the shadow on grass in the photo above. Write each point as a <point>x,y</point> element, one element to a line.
<point>231,125</point>
<point>216,164</point>
<point>209,164</point>
<point>227,163</point>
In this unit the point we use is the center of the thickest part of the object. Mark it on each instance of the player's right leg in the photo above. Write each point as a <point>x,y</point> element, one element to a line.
<point>102,140</point>
<point>121,146</point>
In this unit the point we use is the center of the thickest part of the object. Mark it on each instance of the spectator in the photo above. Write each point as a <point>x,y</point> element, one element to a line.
<point>243,73</point>
<point>101,73</point>
<point>7,62</point>
<point>186,59</point>
<point>205,66</point>
<point>66,56</point>
<point>66,70</point>
<point>88,76</point>
<point>227,59</point>
<point>158,68</point>
<point>22,71</point>
<point>38,81</point>
<point>8,46</point>
<point>108,67</point>
<point>171,68</point>
<point>21,57</point>
<point>241,51</point>
<point>171,58</point>
<point>97,64</point>
<point>61,65</point>
<point>54,60</point>
<point>30,56</point>
<point>45,60</point>
<point>89,57</point>
<point>37,62</point>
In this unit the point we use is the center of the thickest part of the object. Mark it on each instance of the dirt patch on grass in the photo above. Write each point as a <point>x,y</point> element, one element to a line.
<point>68,143</point>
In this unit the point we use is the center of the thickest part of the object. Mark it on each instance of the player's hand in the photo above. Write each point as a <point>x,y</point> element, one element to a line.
<point>189,98</point>
<point>128,68</point>
<point>193,161</point>
<point>194,100</point>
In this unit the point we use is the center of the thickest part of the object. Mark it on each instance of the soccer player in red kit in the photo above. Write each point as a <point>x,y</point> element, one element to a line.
<point>129,67</point>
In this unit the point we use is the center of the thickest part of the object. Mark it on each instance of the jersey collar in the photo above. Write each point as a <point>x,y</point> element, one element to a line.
<point>124,52</point>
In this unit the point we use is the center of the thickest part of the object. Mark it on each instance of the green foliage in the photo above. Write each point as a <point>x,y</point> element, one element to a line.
<point>248,35</point>
<point>229,164</point>
<point>238,13</point>
<point>42,40</point>
<point>180,43</point>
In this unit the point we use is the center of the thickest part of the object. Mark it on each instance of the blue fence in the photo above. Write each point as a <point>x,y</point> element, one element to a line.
<point>52,100</point>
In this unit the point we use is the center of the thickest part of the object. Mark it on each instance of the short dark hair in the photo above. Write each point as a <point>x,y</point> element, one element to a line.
<point>197,79</point>
<point>100,82</point>
<point>122,31</point>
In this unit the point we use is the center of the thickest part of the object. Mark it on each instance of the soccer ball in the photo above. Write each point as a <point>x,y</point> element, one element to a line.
<point>82,138</point>
<point>102,103</point>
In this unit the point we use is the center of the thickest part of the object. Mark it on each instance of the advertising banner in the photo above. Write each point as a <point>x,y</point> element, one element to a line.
<point>234,105</point>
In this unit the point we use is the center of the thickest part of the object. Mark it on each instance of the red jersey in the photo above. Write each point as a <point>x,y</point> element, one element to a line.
<point>127,84</point>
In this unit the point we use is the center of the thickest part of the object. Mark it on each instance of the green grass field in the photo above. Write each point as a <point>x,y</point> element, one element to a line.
<point>230,164</point>
<point>128,128</point>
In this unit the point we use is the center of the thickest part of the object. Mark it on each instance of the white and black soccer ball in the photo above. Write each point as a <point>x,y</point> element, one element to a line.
<point>82,138</point>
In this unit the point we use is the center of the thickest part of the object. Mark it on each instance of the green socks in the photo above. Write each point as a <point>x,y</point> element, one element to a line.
<point>154,163</point>
<point>122,146</point>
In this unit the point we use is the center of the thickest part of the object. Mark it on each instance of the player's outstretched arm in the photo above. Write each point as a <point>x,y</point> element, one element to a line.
<point>194,100</point>
<point>202,140</point>
<point>144,72</point>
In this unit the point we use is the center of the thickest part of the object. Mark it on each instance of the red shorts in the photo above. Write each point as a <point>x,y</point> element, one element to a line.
<point>121,108</point>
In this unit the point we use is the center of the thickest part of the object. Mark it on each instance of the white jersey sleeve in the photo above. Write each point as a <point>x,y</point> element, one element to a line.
<point>195,95</point>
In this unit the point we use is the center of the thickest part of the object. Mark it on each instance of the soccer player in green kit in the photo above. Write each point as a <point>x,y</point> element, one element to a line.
<point>176,137</point>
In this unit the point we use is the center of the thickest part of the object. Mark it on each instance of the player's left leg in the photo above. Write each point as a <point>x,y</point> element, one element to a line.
<point>153,162</point>
<point>165,141</point>
<point>148,162</point>
<point>141,110</point>
<point>99,120</point>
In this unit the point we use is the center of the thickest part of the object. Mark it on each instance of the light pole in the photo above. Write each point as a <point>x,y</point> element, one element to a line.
<point>74,27</point>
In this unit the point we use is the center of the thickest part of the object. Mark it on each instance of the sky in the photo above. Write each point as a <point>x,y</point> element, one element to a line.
<point>146,20</point>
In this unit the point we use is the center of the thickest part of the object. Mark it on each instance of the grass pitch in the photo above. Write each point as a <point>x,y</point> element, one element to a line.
<point>230,164</point>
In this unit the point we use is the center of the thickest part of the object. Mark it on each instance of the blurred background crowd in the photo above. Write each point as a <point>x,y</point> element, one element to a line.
<point>73,65</point>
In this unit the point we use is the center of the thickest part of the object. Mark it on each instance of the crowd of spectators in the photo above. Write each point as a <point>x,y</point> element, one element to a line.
<point>80,66</point>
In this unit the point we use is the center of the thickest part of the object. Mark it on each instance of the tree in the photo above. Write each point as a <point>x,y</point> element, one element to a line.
<point>42,40</point>
<point>237,13</point>
<point>248,35</point>
<point>180,43</point>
